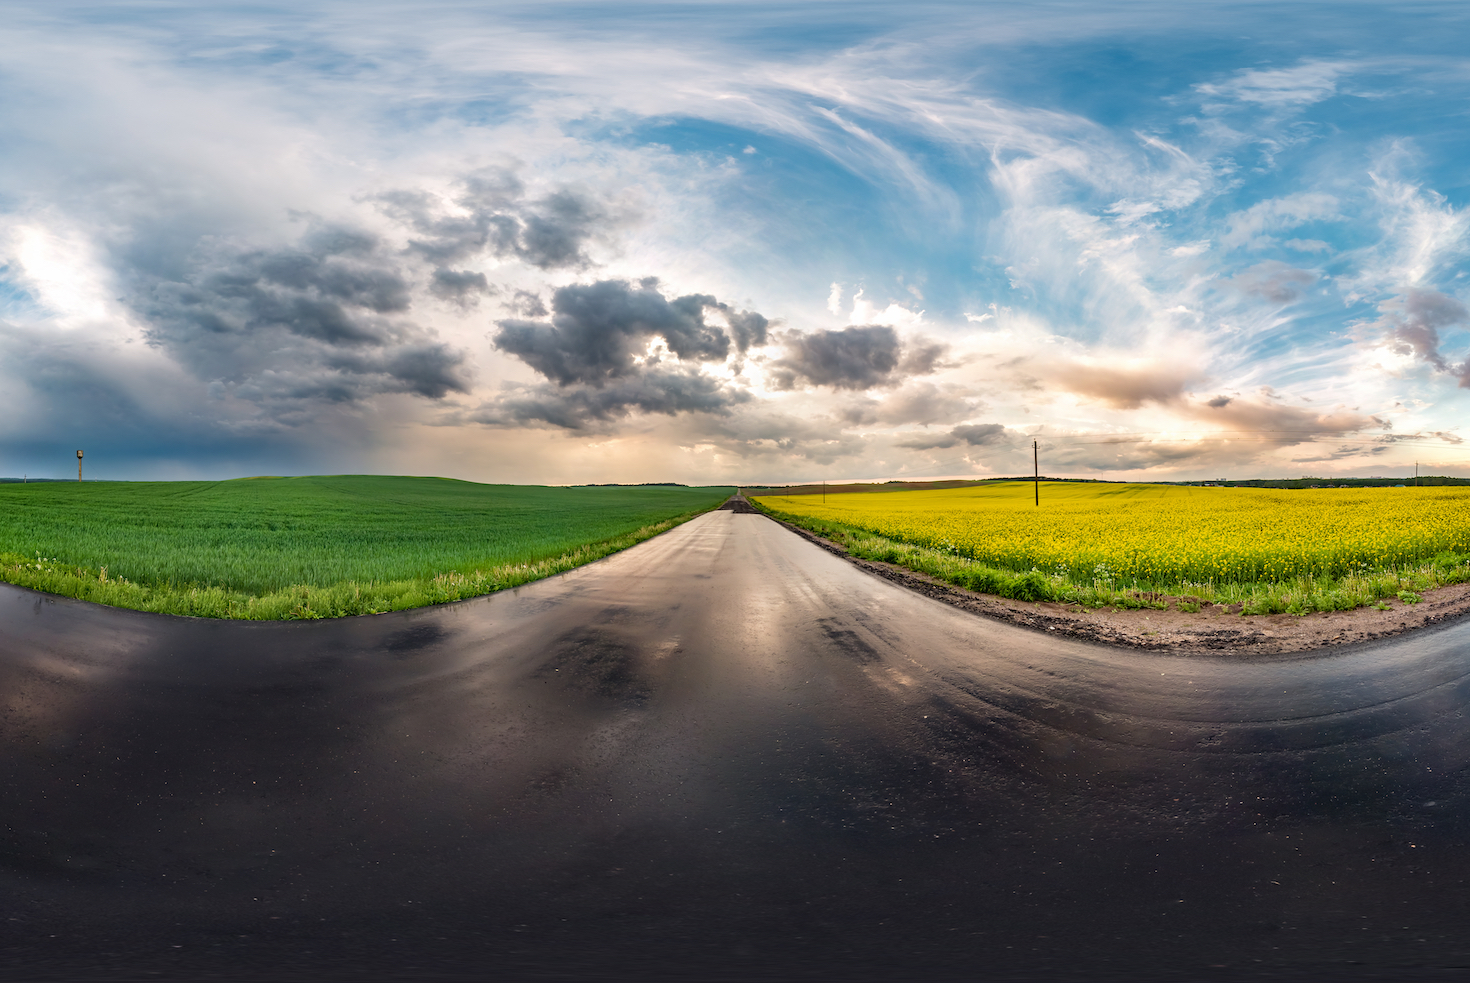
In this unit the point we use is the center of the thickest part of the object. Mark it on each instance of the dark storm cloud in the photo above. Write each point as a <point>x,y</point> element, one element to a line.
<point>970,434</point>
<point>923,358</point>
<point>1413,322</point>
<point>852,358</point>
<point>123,405</point>
<point>74,384</point>
<point>861,357</point>
<point>981,434</point>
<point>464,287</point>
<point>748,327</point>
<point>668,392</point>
<point>323,320</point>
<point>598,329</point>
<point>493,214</point>
<point>594,352</point>
<point>527,304</point>
<point>425,368</point>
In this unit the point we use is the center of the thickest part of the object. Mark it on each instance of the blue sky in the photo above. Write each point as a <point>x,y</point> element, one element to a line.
<point>704,242</point>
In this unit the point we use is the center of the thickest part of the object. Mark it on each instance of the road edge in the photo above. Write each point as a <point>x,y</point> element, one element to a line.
<point>1052,618</point>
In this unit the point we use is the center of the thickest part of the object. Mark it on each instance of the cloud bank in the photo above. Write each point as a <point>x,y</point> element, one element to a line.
<point>668,245</point>
<point>613,347</point>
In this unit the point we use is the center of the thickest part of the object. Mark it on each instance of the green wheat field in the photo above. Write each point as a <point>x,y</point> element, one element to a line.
<point>313,547</point>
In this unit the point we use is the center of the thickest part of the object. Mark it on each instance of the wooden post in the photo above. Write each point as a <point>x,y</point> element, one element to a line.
<point>1036,470</point>
<point>79,465</point>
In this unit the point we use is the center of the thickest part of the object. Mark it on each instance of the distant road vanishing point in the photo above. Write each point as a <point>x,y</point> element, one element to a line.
<point>726,754</point>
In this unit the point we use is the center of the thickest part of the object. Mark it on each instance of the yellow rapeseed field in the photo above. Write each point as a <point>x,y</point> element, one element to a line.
<point>1160,534</point>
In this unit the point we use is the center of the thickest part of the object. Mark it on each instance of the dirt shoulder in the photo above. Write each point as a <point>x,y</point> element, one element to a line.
<point>1215,629</point>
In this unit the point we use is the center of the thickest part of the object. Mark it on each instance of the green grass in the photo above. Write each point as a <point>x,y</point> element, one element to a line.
<point>275,548</point>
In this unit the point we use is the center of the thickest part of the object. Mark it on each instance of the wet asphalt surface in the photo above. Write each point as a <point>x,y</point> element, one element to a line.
<point>723,754</point>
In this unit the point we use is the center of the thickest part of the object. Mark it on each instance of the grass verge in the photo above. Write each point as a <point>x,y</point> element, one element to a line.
<point>1300,595</point>
<point>304,601</point>
<point>258,536</point>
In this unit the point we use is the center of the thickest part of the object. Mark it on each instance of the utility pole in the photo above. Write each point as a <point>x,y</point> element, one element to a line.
<point>1036,470</point>
<point>824,491</point>
<point>79,465</point>
<point>1416,474</point>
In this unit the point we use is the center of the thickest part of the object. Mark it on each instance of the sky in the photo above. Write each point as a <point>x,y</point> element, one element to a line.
<point>567,242</point>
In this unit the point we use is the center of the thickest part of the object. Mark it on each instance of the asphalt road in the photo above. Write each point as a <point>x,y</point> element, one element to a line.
<point>723,754</point>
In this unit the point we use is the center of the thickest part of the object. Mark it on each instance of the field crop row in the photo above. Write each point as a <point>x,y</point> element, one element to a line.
<point>1094,543</point>
<point>273,548</point>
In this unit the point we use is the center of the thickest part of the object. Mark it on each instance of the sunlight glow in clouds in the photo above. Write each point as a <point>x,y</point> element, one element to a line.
<point>564,243</point>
